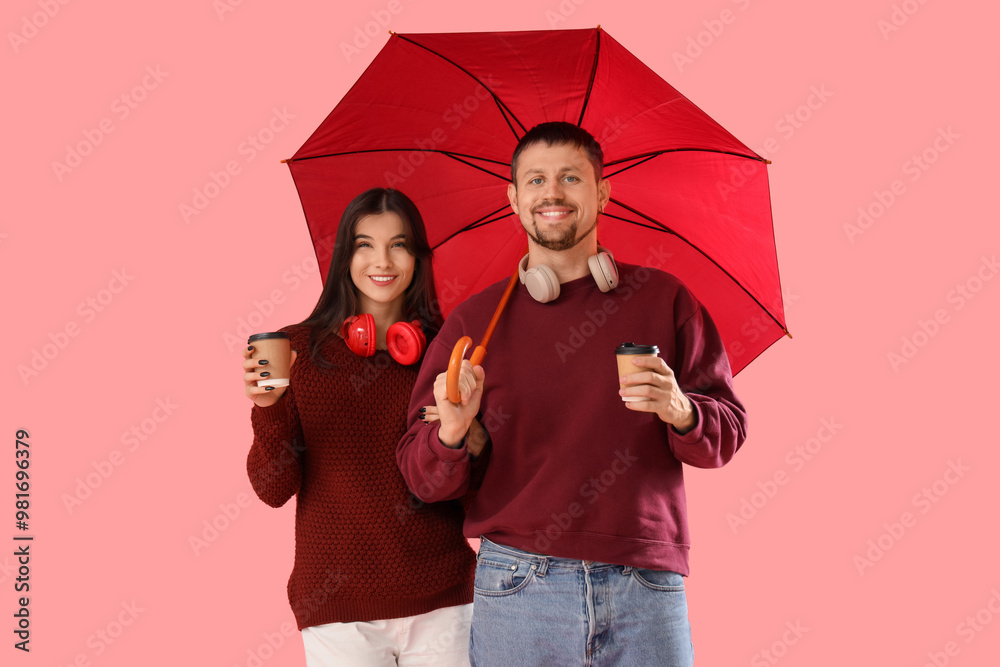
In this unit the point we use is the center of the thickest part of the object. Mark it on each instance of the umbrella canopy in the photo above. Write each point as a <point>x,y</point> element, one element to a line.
<point>439,115</point>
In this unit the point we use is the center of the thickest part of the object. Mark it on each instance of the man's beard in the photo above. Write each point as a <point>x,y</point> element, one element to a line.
<point>564,241</point>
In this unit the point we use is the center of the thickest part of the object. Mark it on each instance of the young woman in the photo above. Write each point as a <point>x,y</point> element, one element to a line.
<point>379,577</point>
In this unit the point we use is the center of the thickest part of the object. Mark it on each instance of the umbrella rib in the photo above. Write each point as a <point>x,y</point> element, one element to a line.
<point>644,157</point>
<point>400,150</point>
<point>454,156</point>
<point>474,78</point>
<point>593,75</point>
<point>475,224</point>
<point>659,226</point>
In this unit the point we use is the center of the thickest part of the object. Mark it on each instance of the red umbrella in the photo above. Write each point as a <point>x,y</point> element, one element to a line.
<point>438,116</point>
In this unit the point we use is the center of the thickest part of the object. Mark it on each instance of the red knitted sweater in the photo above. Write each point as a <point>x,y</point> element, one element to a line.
<point>365,548</point>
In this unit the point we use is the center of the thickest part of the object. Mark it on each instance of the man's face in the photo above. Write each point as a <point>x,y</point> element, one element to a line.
<point>556,195</point>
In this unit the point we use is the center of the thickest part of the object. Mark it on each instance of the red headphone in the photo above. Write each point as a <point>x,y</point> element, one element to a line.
<point>406,340</point>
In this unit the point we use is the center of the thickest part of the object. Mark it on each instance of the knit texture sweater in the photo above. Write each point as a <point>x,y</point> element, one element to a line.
<point>365,548</point>
<point>573,472</point>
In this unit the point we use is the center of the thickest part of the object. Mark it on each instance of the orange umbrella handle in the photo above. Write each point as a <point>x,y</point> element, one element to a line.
<point>462,346</point>
<point>454,366</point>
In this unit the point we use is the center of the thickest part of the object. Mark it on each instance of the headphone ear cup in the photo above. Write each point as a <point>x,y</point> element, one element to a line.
<point>542,284</point>
<point>406,342</point>
<point>541,281</point>
<point>359,334</point>
<point>605,272</point>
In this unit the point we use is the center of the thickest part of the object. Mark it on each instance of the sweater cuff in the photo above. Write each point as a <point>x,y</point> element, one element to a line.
<point>441,451</point>
<point>271,416</point>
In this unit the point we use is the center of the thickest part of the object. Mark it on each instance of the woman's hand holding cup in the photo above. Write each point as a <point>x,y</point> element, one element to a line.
<point>267,363</point>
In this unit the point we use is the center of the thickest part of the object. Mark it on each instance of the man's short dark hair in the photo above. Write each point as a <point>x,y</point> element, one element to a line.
<point>558,133</point>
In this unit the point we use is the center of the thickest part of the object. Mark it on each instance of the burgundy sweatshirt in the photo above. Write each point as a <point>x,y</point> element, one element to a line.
<point>573,472</point>
<point>365,549</point>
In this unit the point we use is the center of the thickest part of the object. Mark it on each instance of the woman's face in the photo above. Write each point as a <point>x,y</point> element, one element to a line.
<point>381,266</point>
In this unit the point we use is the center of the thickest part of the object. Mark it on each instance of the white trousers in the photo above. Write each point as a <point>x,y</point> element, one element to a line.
<point>437,638</point>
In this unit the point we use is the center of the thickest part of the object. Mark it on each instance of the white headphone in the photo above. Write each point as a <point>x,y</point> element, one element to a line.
<point>543,285</point>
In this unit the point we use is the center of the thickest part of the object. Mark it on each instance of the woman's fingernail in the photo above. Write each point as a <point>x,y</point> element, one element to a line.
<point>268,388</point>
<point>262,362</point>
<point>424,409</point>
<point>250,349</point>
<point>264,374</point>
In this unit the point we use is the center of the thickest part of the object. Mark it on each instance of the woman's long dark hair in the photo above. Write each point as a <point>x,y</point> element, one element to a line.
<point>339,298</point>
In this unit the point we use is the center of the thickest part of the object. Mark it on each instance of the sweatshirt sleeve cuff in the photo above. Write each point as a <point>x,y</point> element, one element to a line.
<point>697,432</point>
<point>443,453</point>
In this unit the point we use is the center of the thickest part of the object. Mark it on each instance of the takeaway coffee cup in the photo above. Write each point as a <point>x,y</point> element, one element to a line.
<point>625,353</point>
<point>276,347</point>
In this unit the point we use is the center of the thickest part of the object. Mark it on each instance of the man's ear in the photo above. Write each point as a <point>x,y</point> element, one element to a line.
<point>603,193</point>
<point>512,197</point>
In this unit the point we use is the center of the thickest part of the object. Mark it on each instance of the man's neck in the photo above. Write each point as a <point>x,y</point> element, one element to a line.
<point>567,264</point>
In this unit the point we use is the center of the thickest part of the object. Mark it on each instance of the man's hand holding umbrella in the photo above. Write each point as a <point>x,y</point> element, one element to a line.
<point>458,418</point>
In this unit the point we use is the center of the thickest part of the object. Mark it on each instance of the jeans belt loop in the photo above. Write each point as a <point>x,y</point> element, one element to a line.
<point>543,566</point>
<point>627,570</point>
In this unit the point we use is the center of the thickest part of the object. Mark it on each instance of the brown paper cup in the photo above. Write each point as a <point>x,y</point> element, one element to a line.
<point>276,347</point>
<point>625,353</point>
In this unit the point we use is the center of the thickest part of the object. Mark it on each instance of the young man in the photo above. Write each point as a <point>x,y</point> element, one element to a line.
<point>582,509</point>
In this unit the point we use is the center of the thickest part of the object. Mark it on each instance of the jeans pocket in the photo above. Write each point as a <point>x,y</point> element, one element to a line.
<point>498,575</point>
<point>659,580</point>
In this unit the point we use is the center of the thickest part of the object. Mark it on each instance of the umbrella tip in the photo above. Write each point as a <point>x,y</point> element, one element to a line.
<point>787,333</point>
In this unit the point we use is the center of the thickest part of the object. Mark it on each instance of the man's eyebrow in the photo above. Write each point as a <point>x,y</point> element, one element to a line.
<point>562,170</point>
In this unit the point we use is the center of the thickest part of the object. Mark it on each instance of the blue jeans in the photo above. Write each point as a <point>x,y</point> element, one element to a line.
<point>531,609</point>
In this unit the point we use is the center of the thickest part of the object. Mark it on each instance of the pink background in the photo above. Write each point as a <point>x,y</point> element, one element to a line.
<point>159,355</point>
